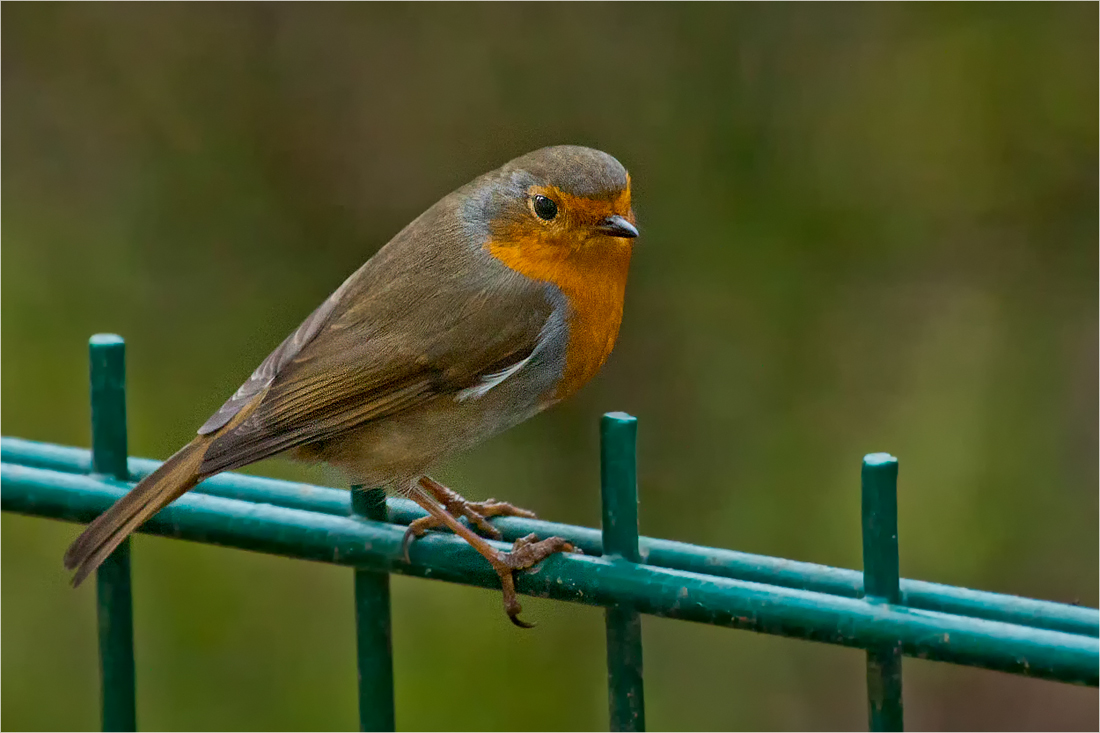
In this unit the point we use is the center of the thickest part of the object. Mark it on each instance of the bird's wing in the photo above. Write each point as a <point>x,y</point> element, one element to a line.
<point>367,353</point>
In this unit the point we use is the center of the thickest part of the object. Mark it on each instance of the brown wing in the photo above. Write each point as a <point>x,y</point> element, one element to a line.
<point>379,345</point>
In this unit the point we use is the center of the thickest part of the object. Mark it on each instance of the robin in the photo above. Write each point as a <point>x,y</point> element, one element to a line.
<point>502,299</point>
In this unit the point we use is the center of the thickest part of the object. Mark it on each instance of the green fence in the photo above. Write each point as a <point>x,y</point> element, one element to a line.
<point>626,574</point>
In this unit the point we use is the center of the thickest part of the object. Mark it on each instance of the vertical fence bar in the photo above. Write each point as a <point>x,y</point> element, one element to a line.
<point>374,637</point>
<point>619,494</point>
<point>879,479</point>
<point>114,600</point>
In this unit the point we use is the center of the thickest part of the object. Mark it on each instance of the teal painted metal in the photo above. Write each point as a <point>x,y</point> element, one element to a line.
<point>881,584</point>
<point>107,369</point>
<point>619,494</point>
<point>655,552</point>
<point>374,630</point>
<point>720,587</point>
<point>114,601</point>
<point>115,620</point>
<point>583,579</point>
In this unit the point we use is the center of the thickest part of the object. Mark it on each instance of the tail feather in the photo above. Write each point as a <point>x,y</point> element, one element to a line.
<point>175,477</point>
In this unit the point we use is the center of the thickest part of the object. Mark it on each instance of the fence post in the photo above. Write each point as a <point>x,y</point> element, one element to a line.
<point>114,607</point>
<point>373,628</point>
<point>619,494</point>
<point>879,479</point>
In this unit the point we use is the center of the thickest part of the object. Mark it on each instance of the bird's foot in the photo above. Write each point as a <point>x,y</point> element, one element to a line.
<point>526,553</point>
<point>477,513</point>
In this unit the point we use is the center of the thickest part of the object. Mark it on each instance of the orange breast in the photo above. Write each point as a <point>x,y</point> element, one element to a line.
<point>592,277</point>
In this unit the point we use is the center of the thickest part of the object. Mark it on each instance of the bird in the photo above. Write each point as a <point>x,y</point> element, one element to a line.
<point>499,301</point>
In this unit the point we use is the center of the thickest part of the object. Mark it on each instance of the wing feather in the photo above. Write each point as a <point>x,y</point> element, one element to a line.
<point>382,343</point>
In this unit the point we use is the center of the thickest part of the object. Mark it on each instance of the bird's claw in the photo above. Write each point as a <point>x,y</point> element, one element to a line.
<point>476,513</point>
<point>526,552</point>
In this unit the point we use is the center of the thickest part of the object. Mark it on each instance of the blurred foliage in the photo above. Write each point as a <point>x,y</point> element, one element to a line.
<point>865,227</point>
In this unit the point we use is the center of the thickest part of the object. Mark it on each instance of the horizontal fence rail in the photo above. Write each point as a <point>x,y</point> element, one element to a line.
<point>655,552</point>
<point>887,616</point>
<point>583,579</point>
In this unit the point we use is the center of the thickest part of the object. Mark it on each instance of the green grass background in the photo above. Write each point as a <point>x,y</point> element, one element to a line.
<point>865,227</point>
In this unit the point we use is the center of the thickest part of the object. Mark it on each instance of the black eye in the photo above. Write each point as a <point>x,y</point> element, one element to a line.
<point>545,208</point>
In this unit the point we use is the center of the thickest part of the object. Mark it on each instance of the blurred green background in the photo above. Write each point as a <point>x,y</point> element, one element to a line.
<point>865,227</point>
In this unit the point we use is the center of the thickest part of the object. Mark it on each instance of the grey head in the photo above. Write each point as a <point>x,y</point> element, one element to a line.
<point>588,182</point>
<point>573,169</point>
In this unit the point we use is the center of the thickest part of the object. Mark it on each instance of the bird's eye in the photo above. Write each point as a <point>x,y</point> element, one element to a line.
<point>545,208</point>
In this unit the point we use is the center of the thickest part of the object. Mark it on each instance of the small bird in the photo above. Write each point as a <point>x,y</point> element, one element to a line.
<point>502,299</point>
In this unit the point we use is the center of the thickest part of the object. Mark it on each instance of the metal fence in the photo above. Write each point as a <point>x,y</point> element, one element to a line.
<point>628,575</point>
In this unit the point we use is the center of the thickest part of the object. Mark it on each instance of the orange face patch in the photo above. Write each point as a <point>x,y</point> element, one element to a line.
<point>577,212</point>
<point>588,267</point>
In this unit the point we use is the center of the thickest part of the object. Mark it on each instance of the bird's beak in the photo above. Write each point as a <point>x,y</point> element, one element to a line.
<point>617,226</point>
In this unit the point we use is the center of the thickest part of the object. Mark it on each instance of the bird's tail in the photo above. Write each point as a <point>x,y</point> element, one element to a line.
<point>154,492</point>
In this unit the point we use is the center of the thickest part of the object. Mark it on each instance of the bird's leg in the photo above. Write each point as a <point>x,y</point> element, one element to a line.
<point>477,512</point>
<point>526,552</point>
